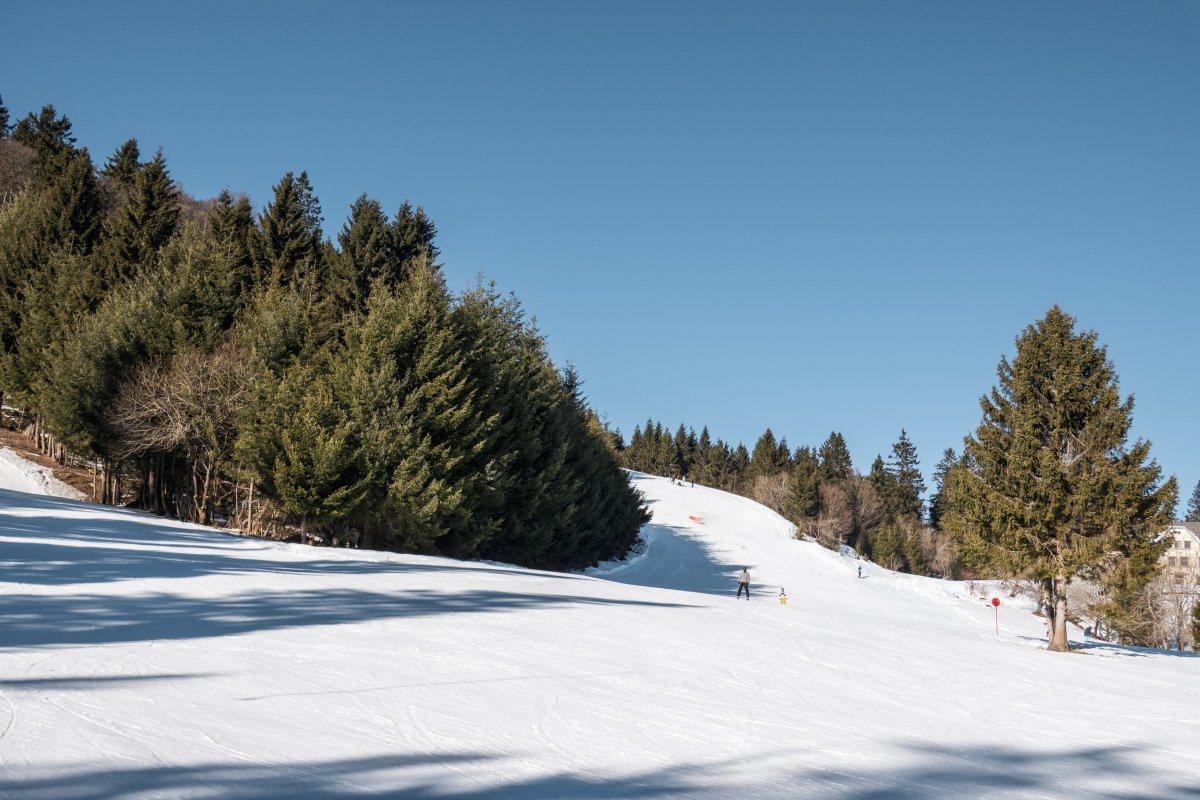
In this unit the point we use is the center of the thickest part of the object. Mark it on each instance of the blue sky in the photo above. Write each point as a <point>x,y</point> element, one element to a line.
<point>807,216</point>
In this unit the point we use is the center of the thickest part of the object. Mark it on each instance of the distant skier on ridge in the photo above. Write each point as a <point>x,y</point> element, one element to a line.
<point>744,583</point>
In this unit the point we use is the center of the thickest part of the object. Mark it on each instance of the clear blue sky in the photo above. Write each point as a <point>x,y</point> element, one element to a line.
<point>808,216</point>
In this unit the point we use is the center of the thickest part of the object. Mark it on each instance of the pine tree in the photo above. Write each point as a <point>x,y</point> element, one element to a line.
<point>50,138</point>
<point>949,460</point>
<point>769,457</point>
<point>232,232</point>
<point>412,242</point>
<point>881,479</point>
<point>1196,627</point>
<point>289,250</point>
<point>1049,488</point>
<point>1193,509</point>
<point>365,242</point>
<point>907,483</point>
<point>123,166</point>
<point>4,127</point>
<point>835,458</point>
<point>803,501</point>
<point>142,222</point>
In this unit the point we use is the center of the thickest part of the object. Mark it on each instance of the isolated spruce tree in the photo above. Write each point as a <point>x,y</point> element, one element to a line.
<point>835,459</point>
<point>1193,509</point>
<point>1050,489</point>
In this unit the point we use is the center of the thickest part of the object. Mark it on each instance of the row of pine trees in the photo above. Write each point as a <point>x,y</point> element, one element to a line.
<point>880,514</point>
<point>221,365</point>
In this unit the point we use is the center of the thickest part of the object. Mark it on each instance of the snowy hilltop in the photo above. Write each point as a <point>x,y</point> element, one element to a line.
<point>147,658</point>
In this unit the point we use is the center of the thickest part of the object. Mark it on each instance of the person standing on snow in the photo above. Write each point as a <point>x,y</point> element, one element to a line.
<point>744,583</point>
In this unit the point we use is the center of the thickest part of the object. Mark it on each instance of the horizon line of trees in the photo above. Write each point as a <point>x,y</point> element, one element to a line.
<point>879,514</point>
<point>224,366</point>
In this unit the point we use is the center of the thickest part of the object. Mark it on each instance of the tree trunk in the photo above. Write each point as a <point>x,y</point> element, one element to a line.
<point>1058,640</point>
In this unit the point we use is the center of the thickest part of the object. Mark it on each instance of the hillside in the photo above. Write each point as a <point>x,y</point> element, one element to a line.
<point>148,658</point>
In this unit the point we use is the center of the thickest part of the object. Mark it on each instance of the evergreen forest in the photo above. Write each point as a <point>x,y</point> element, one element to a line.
<point>230,367</point>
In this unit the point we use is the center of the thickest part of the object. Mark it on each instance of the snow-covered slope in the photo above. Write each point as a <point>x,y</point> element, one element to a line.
<point>142,658</point>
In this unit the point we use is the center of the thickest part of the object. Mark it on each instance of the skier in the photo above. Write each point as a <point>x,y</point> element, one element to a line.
<point>744,583</point>
<point>782,596</point>
<point>860,570</point>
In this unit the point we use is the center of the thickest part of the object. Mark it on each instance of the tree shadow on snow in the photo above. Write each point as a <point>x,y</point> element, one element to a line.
<point>92,683</point>
<point>682,560</point>
<point>123,544</point>
<point>39,620</point>
<point>928,771</point>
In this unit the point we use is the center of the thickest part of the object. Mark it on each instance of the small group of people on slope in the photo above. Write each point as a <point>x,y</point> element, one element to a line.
<point>744,586</point>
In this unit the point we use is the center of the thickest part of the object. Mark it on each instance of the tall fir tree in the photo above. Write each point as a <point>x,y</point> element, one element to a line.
<point>123,166</point>
<point>835,458</point>
<point>1193,508</point>
<point>50,138</point>
<point>1050,489</point>
<point>412,243</point>
<point>907,482</point>
<point>769,457</point>
<point>949,460</point>
<point>4,126</point>
<point>289,250</point>
<point>143,221</point>
<point>365,242</point>
<point>803,500</point>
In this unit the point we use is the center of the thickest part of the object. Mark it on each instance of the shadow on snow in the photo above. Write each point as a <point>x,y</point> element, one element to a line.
<point>38,620</point>
<point>1104,773</point>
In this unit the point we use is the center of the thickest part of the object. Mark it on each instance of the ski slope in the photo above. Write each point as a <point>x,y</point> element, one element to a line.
<point>145,658</point>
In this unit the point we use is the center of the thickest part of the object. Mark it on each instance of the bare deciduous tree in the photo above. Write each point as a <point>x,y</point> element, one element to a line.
<point>184,409</point>
<point>771,491</point>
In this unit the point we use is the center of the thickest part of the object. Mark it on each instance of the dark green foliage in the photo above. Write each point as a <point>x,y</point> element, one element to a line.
<point>144,218</point>
<point>289,244</point>
<point>366,253</point>
<point>49,136</point>
<point>1049,488</point>
<point>1196,626</point>
<point>4,127</point>
<point>345,384</point>
<point>904,495</point>
<point>769,457</point>
<point>1193,508</point>
<point>948,462</point>
<point>69,212</point>
<point>233,235</point>
<point>412,243</point>
<point>835,458</point>
<point>804,497</point>
<point>123,166</point>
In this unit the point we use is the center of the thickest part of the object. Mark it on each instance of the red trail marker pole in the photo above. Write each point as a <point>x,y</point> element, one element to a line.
<point>996,605</point>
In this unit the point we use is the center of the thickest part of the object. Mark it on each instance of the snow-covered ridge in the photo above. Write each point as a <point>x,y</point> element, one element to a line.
<point>141,657</point>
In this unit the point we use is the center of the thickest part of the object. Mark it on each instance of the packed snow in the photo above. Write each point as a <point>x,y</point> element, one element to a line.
<point>146,658</point>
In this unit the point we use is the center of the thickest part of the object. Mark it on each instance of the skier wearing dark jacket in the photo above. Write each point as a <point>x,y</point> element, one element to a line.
<point>744,583</point>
